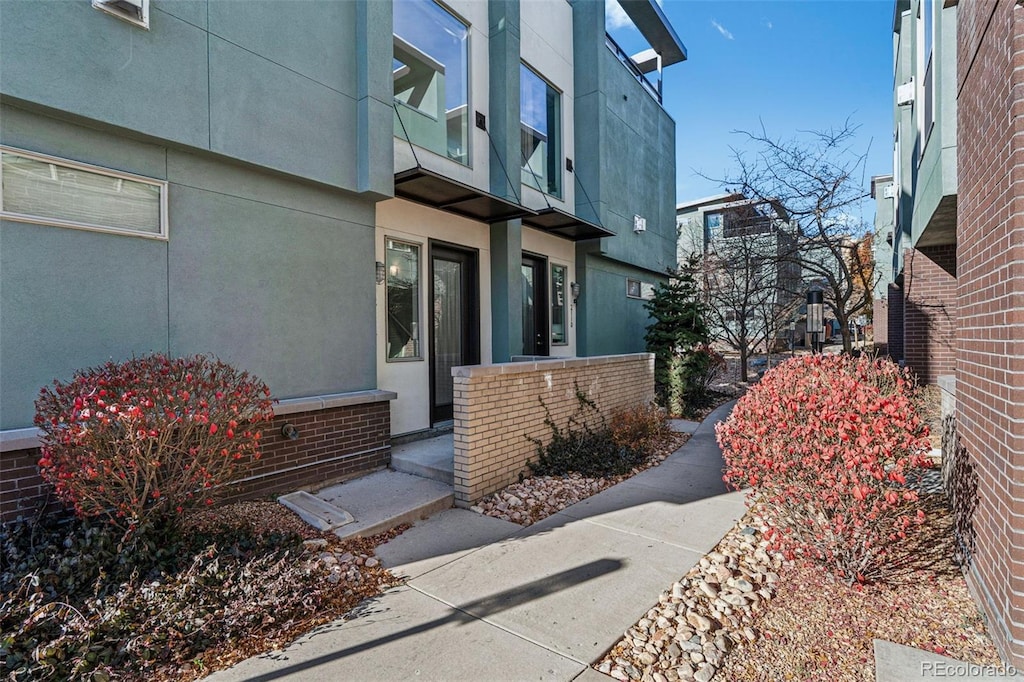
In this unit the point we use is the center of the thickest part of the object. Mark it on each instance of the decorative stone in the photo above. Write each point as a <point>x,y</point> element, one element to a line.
<point>706,673</point>
<point>708,589</point>
<point>371,562</point>
<point>700,623</point>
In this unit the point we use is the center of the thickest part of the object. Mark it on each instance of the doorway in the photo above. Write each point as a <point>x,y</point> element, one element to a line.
<point>535,305</point>
<point>455,311</point>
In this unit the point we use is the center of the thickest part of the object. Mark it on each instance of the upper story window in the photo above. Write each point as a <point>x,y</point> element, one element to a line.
<point>49,191</point>
<point>540,119</point>
<point>430,68</point>
<point>712,226</point>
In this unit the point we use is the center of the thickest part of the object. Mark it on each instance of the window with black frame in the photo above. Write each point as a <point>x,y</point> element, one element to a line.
<point>541,127</point>
<point>402,263</point>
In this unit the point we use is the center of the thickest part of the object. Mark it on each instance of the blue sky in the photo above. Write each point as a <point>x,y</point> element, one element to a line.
<point>795,65</point>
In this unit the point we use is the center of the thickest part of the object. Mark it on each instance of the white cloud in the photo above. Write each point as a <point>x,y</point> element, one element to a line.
<point>722,29</point>
<point>768,23</point>
<point>614,16</point>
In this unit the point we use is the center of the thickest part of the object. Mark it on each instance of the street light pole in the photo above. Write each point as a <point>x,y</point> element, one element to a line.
<point>815,318</point>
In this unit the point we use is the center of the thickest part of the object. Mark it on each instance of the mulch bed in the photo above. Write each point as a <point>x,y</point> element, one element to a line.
<point>818,628</point>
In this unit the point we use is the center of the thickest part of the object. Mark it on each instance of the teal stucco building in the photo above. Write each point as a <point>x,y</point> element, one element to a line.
<point>345,197</point>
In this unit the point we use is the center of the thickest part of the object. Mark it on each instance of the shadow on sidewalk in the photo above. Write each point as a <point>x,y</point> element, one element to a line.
<point>468,612</point>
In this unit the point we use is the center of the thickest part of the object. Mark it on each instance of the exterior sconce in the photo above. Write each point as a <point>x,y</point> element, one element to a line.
<point>574,289</point>
<point>815,319</point>
<point>290,431</point>
<point>380,273</point>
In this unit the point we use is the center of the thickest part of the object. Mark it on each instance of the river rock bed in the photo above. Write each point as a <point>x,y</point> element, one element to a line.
<point>538,497</point>
<point>703,616</point>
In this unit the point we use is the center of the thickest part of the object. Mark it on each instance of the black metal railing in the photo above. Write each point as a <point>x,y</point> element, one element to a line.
<point>653,90</point>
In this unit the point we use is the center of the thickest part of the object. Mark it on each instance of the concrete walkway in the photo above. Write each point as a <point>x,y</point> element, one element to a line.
<point>488,600</point>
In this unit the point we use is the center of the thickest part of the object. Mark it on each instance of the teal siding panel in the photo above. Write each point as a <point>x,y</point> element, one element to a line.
<point>73,299</point>
<point>268,115</point>
<point>314,38</point>
<point>71,57</point>
<point>286,294</point>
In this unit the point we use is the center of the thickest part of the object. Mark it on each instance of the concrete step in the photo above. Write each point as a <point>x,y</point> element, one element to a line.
<point>385,499</point>
<point>431,458</point>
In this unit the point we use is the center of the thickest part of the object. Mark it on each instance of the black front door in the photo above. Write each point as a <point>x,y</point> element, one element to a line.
<point>456,338</point>
<point>535,305</point>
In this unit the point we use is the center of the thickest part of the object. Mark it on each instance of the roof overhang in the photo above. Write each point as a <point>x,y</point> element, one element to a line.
<point>435,190</point>
<point>559,223</point>
<point>652,23</point>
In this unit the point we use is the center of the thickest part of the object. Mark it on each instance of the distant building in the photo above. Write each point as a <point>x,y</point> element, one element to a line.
<point>749,260</point>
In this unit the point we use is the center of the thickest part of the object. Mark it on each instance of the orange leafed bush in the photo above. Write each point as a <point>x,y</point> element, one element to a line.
<point>826,443</point>
<point>149,437</point>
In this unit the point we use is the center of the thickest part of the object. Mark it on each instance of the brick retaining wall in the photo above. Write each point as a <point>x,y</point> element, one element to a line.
<point>498,408</point>
<point>349,434</point>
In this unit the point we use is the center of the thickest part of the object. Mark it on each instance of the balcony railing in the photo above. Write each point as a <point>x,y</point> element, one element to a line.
<point>654,91</point>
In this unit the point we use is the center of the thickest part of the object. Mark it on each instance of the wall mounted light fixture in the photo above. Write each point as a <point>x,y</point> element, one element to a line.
<point>574,289</point>
<point>290,431</point>
<point>380,273</point>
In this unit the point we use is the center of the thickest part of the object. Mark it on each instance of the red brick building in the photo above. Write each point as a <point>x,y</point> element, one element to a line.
<point>990,299</point>
<point>955,304</point>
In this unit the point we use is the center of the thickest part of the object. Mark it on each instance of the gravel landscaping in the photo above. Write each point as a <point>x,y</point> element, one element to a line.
<point>538,497</point>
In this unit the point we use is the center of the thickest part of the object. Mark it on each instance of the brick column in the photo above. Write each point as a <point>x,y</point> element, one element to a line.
<point>929,311</point>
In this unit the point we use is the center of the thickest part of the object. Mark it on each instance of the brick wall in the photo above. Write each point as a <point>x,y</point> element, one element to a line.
<point>990,344</point>
<point>929,311</point>
<point>894,322</point>
<point>333,444</point>
<point>498,408</point>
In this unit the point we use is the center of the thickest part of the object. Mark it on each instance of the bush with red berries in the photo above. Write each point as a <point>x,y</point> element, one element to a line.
<point>146,439</point>
<point>826,443</point>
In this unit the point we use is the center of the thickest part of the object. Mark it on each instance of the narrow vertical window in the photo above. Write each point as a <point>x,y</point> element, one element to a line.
<point>403,300</point>
<point>558,335</point>
<point>430,71</point>
<point>541,126</point>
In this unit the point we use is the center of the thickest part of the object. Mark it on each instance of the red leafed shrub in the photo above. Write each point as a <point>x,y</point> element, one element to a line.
<point>826,443</point>
<point>147,438</point>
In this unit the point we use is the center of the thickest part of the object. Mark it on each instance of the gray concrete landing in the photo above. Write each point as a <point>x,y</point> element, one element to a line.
<point>898,663</point>
<point>385,499</point>
<point>432,458</point>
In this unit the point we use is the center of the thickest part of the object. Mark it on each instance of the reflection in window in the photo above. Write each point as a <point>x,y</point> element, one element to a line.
<point>540,122</point>
<point>558,335</point>
<point>47,190</point>
<point>430,78</point>
<point>712,226</point>
<point>403,304</point>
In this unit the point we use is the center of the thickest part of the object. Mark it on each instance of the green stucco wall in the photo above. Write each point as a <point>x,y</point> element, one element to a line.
<point>251,85</point>
<point>268,273</point>
<point>632,172</point>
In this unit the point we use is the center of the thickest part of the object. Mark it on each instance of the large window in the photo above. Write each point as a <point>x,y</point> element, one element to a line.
<point>541,124</point>
<point>402,262</point>
<point>430,68</point>
<point>558,335</point>
<point>50,191</point>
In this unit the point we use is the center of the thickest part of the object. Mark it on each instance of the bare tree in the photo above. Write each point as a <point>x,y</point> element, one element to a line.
<point>817,179</point>
<point>745,281</point>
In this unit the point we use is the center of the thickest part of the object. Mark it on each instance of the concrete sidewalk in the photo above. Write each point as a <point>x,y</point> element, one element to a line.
<point>488,600</point>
